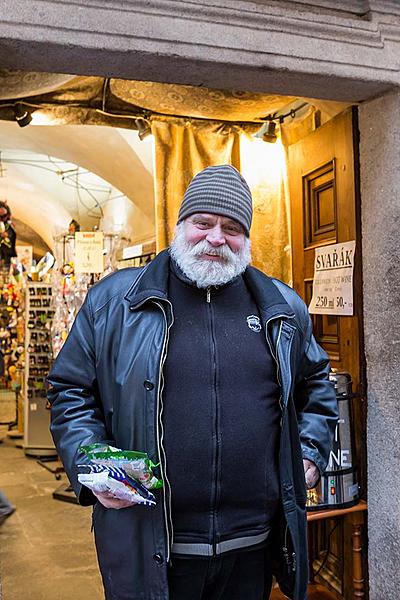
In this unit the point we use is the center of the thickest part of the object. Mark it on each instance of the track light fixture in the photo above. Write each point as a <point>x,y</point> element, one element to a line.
<point>143,127</point>
<point>267,132</point>
<point>22,115</point>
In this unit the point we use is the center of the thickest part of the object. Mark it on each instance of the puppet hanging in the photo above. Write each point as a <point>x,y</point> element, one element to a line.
<point>8,235</point>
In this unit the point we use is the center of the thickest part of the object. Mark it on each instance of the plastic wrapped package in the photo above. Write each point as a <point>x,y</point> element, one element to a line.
<point>126,474</point>
<point>135,464</point>
<point>103,478</point>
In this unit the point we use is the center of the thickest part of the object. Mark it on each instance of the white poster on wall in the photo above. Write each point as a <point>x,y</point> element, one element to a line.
<point>25,256</point>
<point>333,280</point>
<point>89,257</point>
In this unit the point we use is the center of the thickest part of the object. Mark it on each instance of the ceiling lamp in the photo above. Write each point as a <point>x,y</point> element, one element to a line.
<point>143,127</point>
<point>267,132</point>
<point>22,115</point>
<point>42,117</point>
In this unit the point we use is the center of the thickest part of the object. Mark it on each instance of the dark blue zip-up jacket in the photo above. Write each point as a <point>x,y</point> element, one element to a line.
<point>106,386</point>
<point>221,419</point>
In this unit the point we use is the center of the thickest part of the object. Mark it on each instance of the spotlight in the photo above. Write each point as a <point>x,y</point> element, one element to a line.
<point>267,132</point>
<point>22,116</point>
<point>143,127</point>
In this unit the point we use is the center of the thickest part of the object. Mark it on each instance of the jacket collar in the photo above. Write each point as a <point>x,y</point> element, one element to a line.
<point>269,299</point>
<point>152,282</point>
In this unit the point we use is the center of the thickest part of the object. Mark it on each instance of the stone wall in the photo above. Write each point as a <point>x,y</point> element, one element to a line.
<point>380,192</point>
<point>350,7</point>
<point>269,46</point>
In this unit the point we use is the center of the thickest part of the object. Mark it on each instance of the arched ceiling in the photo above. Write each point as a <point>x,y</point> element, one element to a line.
<point>28,236</point>
<point>39,196</point>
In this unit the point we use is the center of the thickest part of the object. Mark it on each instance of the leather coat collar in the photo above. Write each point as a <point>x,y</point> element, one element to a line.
<point>152,283</point>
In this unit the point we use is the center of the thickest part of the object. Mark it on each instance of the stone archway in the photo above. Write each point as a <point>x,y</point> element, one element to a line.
<point>313,49</point>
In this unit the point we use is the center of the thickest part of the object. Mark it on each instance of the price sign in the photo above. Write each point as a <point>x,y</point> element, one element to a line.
<point>89,256</point>
<point>333,280</point>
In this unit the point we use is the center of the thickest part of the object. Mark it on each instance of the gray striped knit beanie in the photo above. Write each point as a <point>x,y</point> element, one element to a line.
<point>219,190</point>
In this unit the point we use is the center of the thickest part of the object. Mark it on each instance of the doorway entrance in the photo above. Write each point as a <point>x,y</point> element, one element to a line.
<point>321,161</point>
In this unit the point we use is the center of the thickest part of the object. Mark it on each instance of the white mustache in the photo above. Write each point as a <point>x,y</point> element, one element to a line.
<point>208,272</point>
<point>203,247</point>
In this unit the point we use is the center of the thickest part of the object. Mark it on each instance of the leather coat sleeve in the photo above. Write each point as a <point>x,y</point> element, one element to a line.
<point>76,413</point>
<point>316,404</point>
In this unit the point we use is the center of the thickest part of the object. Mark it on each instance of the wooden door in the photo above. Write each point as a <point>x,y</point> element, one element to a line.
<point>325,210</point>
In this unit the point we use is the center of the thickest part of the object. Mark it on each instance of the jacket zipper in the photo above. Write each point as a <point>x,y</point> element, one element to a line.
<point>291,562</point>
<point>160,436</point>
<point>275,356</point>
<point>285,548</point>
<point>217,444</point>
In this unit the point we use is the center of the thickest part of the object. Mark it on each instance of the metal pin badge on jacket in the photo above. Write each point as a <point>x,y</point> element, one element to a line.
<point>254,323</point>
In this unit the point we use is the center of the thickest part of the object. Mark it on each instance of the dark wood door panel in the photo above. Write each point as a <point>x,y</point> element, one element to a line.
<point>319,206</point>
<point>323,211</point>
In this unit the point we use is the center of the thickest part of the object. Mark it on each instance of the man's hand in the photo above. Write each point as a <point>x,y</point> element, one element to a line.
<point>311,473</point>
<point>110,501</point>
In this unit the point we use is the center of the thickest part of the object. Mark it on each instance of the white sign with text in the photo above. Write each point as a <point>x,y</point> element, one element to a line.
<point>89,257</point>
<point>333,280</point>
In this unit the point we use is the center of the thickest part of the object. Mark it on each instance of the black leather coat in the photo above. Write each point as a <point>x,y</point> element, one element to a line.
<point>106,385</point>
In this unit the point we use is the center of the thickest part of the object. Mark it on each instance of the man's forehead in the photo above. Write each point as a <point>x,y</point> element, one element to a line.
<point>214,217</point>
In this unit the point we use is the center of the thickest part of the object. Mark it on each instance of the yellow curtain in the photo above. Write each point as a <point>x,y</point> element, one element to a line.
<point>263,165</point>
<point>182,149</point>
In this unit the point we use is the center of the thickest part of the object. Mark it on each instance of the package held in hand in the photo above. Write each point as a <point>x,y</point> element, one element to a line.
<point>135,464</point>
<point>104,478</point>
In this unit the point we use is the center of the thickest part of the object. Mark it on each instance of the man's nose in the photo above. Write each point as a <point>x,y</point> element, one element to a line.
<point>215,236</point>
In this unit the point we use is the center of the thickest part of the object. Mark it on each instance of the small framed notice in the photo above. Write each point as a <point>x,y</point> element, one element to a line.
<point>333,280</point>
<point>89,257</point>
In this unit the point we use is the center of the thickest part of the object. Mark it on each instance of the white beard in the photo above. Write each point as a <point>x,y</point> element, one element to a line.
<point>205,273</point>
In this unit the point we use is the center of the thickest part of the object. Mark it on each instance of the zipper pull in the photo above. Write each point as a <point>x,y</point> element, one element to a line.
<point>294,563</point>
<point>287,559</point>
<point>208,294</point>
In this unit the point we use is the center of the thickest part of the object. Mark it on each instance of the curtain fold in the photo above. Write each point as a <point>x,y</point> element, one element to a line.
<point>263,165</point>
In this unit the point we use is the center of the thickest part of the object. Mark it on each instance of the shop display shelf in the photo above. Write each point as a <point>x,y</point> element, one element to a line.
<point>37,438</point>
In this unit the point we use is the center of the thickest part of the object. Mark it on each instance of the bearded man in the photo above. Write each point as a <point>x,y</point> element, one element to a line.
<point>210,367</point>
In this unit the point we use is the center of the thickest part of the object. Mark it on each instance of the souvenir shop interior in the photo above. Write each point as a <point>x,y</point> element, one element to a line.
<point>92,172</point>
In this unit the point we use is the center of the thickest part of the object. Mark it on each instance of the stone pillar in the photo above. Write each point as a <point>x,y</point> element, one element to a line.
<point>380,206</point>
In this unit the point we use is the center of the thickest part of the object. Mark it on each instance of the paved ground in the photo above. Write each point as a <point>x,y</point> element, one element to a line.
<point>46,547</point>
<point>7,405</point>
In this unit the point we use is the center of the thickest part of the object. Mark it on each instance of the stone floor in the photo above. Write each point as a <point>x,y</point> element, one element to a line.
<point>46,546</point>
